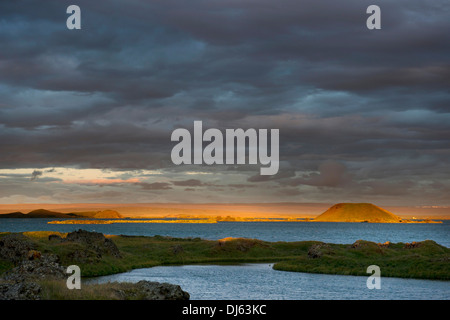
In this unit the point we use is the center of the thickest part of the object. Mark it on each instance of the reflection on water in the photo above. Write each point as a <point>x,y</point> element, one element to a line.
<point>261,282</point>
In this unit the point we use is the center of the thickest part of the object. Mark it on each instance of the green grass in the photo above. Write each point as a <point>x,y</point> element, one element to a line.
<point>428,261</point>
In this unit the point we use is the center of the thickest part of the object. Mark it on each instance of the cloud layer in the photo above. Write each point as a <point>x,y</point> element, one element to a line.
<point>363,115</point>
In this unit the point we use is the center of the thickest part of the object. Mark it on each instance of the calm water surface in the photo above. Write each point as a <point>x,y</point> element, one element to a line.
<point>332,232</point>
<point>261,282</point>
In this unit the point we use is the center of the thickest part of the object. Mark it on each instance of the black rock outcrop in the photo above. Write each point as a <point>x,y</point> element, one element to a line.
<point>93,246</point>
<point>14,247</point>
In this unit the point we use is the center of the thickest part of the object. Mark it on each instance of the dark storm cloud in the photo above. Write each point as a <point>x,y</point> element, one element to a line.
<point>355,108</point>
<point>288,173</point>
<point>331,174</point>
<point>154,185</point>
<point>35,174</point>
<point>190,183</point>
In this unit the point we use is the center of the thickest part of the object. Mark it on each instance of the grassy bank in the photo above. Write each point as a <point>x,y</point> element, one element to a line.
<point>426,260</point>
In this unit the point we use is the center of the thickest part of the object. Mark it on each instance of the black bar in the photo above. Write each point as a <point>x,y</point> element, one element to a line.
<point>225,309</point>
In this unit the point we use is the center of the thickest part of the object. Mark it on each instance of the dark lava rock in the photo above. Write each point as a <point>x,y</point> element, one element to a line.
<point>20,291</point>
<point>32,266</point>
<point>317,250</point>
<point>19,282</point>
<point>96,245</point>
<point>162,291</point>
<point>146,290</point>
<point>15,247</point>
<point>45,267</point>
<point>55,237</point>
<point>412,245</point>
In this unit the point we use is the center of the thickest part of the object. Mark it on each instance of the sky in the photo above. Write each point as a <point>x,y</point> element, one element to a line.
<point>86,115</point>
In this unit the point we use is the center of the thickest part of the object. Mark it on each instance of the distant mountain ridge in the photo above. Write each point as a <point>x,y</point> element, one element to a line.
<point>357,212</point>
<point>105,214</point>
<point>42,213</point>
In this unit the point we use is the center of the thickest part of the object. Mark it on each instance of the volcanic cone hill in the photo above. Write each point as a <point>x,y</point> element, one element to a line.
<point>42,213</point>
<point>357,212</point>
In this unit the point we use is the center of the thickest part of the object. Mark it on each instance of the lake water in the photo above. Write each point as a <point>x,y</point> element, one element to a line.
<point>331,232</point>
<point>262,282</point>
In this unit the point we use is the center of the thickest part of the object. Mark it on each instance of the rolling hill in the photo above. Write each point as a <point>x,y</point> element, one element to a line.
<point>105,214</point>
<point>357,212</point>
<point>42,213</point>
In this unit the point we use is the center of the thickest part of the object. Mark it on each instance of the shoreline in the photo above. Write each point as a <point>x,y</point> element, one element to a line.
<point>206,219</point>
<point>243,210</point>
<point>421,260</point>
<point>33,264</point>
